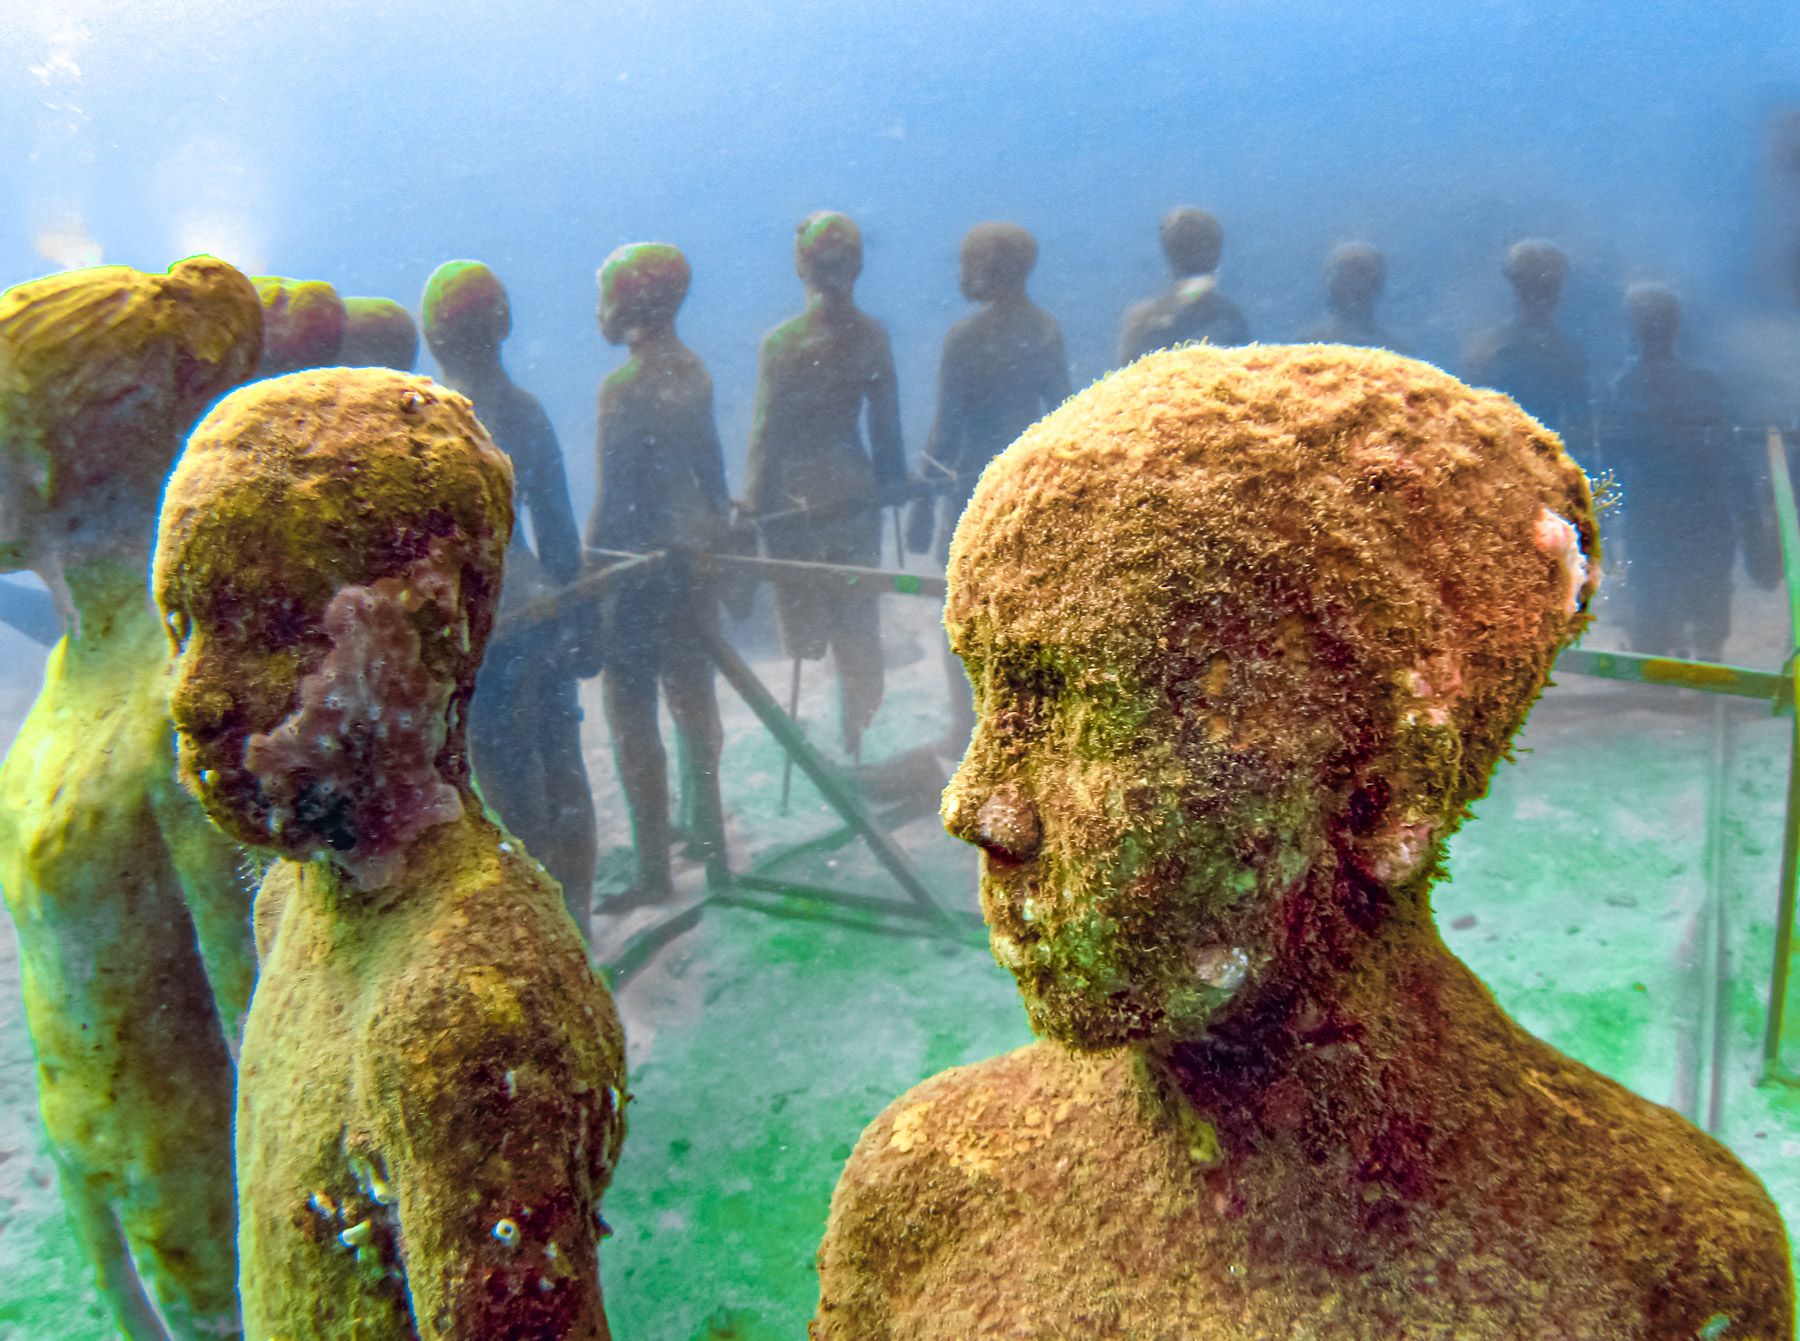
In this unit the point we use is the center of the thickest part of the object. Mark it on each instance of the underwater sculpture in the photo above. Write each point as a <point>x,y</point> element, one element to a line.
<point>1690,497</point>
<point>430,1084</point>
<point>1355,274</point>
<point>661,486</point>
<point>525,723</point>
<point>378,333</point>
<point>304,323</point>
<point>817,490</point>
<point>1192,308</point>
<point>133,922</point>
<point>1250,629</point>
<point>1002,369</point>
<point>1529,357</point>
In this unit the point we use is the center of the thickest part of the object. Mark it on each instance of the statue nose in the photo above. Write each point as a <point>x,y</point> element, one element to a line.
<point>1007,825</point>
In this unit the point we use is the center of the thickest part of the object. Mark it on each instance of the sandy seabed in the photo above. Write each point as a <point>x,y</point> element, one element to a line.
<point>762,1038</point>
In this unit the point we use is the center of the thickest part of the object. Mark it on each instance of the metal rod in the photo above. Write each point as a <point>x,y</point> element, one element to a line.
<point>860,903</point>
<point>837,792</point>
<point>1635,668</point>
<point>787,757</point>
<point>1715,980</point>
<point>553,603</point>
<point>1789,524</point>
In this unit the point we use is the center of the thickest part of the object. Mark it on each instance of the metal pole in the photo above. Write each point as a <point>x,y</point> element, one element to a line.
<point>1715,980</point>
<point>787,757</point>
<point>1783,487</point>
<point>842,797</point>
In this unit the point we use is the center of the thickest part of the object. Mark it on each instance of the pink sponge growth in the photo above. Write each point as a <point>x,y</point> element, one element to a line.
<point>354,765</point>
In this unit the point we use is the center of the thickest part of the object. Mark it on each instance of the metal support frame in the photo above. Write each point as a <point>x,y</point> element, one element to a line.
<point>1780,689</point>
<point>1782,485</point>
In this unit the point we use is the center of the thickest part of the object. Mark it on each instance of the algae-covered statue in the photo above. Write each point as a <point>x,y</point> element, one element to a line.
<point>816,490</point>
<point>378,333</point>
<point>661,486</point>
<point>1191,308</point>
<point>1250,629</point>
<point>304,324</point>
<point>525,724</point>
<point>1529,357</point>
<point>1002,368</point>
<point>1355,274</point>
<point>133,922</point>
<point>430,1085</point>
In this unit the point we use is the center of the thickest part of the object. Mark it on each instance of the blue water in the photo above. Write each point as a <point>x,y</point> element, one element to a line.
<point>364,141</point>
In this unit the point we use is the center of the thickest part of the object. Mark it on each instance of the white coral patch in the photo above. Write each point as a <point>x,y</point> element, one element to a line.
<point>1556,536</point>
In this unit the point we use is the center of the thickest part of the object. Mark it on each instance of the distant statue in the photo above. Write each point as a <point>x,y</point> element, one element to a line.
<point>1192,308</point>
<point>431,1101</point>
<point>132,919</point>
<point>1529,358</point>
<point>661,487</point>
<point>1689,502</point>
<point>525,723</point>
<point>817,490</point>
<point>1354,277</point>
<point>378,333</point>
<point>303,324</point>
<point>1251,630</point>
<point>1002,369</point>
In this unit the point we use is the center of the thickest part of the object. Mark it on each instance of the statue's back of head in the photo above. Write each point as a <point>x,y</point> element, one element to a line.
<point>1192,241</point>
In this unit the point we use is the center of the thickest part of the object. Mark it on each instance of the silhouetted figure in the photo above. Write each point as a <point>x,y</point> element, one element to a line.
<point>662,487</point>
<point>1689,500</point>
<point>1003,369</point>
<point>817,489</point>
<point>525,722</point>
<point>1529,358</point>
<point>1193,308</point>
<point>378,333</point>
<point>1354,276</point>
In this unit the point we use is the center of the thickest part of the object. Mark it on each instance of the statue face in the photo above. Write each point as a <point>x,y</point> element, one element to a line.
<point>236,673</point>
<point>1129,879</point>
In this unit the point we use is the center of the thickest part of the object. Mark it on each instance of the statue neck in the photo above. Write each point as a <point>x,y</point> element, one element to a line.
<point>1324,1090</point>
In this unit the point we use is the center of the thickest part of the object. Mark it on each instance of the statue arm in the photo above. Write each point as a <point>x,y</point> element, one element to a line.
<point>544,486</point>
<point>217,879</point>
<point>885,447</point>
<point>493,1145</point>
<point>760,480</point>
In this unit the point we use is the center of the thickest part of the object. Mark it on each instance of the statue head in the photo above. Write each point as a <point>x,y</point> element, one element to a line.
<point>378,333</point>
<point>328,564</point>
<point>1536,270</point>
<point>1655,316</point>
<point>997,259</point>
<point>1192,241</point>
<point>101,373</point>
<point>303,324</point>
<point>1248,630</point>
<point>465,315</point>
<point>828,251</point>
<point>1354,276</point>
<point>642,287</point>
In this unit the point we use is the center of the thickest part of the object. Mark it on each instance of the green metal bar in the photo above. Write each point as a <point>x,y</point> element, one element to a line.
<point>862,902</point>
<point>903,584</point>
<point>780,897</point>
<point>1788,523</point>
<point>841,795</point>
<point>1633,668</point>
